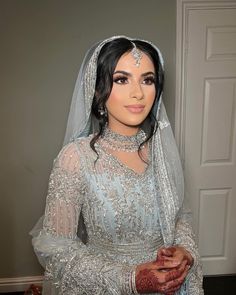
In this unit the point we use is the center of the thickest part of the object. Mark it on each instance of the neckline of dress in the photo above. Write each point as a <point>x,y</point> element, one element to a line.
<point>125,166</point>
<point>124,143</point>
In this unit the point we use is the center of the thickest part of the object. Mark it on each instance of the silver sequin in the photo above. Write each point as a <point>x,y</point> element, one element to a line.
<point>123,227</point>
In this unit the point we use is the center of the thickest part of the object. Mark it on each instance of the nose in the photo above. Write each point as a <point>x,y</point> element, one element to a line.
<point>137,91</point>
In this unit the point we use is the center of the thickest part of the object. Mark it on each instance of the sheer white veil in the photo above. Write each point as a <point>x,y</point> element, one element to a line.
<point>165,161</point>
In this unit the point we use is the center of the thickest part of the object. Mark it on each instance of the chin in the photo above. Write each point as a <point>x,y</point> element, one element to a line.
<point>134,124</point>
<point>137,122</point>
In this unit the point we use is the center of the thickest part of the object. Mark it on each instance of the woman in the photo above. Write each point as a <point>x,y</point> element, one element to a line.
<point>119,181</point>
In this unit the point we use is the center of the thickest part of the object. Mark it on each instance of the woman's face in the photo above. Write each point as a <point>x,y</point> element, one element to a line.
<point>132,95</point>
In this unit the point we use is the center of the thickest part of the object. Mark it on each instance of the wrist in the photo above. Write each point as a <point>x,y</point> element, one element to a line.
<point>128,280</point>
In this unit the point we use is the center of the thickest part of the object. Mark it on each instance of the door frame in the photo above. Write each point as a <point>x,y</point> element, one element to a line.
<point>183,8</point>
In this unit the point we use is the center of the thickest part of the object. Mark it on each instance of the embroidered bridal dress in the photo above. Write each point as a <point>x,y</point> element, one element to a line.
<point>102,218</point>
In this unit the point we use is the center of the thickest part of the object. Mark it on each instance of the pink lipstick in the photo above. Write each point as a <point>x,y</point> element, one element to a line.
<point>135,108</point>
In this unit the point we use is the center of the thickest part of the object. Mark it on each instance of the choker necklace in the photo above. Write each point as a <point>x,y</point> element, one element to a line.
<point>124,143</point>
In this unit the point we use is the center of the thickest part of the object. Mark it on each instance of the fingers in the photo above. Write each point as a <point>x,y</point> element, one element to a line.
<point>177,254</point>
<point>175,284</point>
<point>170,275</point>
<point>170,260</point>
<point>175,274</point>
<point>165,264</point>
<point>172,291</point>
<point>168,256</point>
<point>167,251</point>
<point>188,257</point>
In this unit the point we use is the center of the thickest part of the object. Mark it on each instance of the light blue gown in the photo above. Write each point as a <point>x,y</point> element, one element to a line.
<point>120,211</point>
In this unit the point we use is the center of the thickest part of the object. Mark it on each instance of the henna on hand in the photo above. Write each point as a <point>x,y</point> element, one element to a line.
<point>175,252</point>
<point>169,251</point>
<point>148,282</point>
<point>173,286</point>
<point>154,280</point>
<point>176,273</point>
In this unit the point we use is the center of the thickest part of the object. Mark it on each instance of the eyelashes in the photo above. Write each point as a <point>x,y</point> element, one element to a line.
<point>148,80</point>
<point>120,80</point>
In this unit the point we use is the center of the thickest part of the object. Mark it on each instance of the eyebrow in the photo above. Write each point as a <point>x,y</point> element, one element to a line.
<point>129,74</point>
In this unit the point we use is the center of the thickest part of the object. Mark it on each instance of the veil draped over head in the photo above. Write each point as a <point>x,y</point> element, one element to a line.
<point>165,160</point>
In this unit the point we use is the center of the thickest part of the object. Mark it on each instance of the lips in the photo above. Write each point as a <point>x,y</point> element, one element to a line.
<point>135,108</point>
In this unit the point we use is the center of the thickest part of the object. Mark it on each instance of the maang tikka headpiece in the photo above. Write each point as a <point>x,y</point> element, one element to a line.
<point>137,54</point>
<point>79,121</point>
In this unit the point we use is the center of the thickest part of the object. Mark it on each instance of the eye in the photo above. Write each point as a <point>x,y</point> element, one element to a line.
<point>149,80</point>
<point>121,80</point>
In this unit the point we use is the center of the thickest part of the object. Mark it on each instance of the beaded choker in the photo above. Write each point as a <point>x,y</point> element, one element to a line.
<point>124,143</point>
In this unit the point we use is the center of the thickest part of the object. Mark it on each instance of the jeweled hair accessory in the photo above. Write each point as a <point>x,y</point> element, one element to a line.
<point>137,54</point>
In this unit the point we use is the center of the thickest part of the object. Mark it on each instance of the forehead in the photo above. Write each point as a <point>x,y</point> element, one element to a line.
<point>127,62</point>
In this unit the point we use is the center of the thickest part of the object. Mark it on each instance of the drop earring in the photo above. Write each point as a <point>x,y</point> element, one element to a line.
<point>102,111</point>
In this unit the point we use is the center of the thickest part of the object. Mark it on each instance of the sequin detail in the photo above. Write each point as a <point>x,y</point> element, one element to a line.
<point>122,225</point>
<point>117,142</point>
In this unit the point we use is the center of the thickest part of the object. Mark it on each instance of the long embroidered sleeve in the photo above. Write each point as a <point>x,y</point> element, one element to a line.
<point>119,210</point>
<point>71,268</point>
<point>184,237</point>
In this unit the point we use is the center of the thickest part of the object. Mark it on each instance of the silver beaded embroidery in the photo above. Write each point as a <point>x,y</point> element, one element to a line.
<point>118,142</point>
<point>120,213</point>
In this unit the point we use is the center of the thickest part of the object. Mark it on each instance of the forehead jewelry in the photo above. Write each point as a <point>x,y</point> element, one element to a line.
<point>137,54</point>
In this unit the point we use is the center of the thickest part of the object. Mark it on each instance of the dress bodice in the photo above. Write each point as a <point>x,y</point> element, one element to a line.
<point>123,219</point>
<point>119,206</point>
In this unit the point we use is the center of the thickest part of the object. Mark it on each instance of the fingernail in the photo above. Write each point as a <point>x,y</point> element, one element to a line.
<point>175,263</point>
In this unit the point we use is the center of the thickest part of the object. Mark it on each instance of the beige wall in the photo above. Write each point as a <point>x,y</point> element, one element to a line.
<point>42,45</point>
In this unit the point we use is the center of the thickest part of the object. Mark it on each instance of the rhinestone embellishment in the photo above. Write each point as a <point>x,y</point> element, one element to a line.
<point>137,54</point>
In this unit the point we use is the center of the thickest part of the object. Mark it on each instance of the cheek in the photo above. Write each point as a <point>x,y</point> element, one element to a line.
<point>112,102</point>
<point>150,96</point>
<point>115,99</point>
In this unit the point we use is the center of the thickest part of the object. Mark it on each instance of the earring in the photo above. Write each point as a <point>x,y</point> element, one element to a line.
<point>102,111</point>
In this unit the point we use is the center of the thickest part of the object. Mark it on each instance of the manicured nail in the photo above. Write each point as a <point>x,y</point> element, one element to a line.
<point>175,263</point>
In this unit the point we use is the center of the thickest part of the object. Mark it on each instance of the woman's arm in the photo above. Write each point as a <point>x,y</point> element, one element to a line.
<point>184,237</point>
<point>70,267</point>
<point>185,249</point>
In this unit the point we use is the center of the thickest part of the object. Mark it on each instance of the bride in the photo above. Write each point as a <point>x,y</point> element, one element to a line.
<point>115,222</point>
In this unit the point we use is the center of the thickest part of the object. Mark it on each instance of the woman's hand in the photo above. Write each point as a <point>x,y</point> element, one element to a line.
<point>176,254</point>
<point>164,276</point>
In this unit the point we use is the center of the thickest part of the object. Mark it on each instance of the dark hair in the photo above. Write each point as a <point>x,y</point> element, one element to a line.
<point>107,61</point>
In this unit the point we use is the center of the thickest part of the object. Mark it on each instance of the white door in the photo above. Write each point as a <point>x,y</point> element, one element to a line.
<point>207,120</point>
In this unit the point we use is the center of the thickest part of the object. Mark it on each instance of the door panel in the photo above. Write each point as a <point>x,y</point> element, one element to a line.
<point>209,141</point>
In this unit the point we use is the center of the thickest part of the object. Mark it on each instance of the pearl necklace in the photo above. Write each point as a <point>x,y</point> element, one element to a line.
<point>124,143</point>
